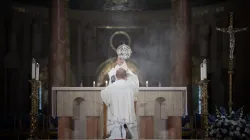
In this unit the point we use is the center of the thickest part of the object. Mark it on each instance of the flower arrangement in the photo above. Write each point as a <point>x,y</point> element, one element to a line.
<point>230,125</point>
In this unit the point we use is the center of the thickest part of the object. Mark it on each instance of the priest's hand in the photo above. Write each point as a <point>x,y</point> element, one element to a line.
<point>124,66</point>
<point>120,61</point>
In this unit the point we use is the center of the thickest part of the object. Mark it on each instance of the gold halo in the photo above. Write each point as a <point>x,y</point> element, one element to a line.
<point>119,33</point>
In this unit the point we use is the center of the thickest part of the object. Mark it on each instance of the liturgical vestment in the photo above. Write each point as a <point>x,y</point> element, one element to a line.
<point>119,98</point>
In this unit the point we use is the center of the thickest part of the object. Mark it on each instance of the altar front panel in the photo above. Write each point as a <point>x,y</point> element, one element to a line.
<point>85,104</point>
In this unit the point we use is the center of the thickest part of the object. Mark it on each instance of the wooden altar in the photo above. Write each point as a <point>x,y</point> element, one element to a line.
<point>81,111</point>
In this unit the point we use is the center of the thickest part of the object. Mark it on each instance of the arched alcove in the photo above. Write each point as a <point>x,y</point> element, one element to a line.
<point>160,123</point>
<point>78,118</point>
<point>76,107</point>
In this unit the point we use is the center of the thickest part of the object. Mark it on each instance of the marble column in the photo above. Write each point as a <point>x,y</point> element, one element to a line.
<point>181,58</point>
<point>59,63</point>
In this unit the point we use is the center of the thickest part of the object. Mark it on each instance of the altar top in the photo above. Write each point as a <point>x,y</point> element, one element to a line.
<point>101,88</point>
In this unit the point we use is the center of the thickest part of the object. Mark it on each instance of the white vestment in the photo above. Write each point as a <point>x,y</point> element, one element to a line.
<point>119,98</point>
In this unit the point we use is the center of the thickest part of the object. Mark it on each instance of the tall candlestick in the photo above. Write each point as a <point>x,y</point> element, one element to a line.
<point>146,83</point>
<point>94,83</point>
<point>40,96</point>
<point>201,71</point>
<point>33,72</point>
<point>37,71</point>
<point>204,69</point>
<point>106,83</point>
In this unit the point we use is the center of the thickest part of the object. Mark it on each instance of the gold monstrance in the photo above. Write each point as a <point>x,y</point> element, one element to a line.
<point>123,51</point>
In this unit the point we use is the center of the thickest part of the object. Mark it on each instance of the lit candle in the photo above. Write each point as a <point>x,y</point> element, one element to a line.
<point>94,83</point>
<point>40,96</point>
<point>146,83</point>
<point>201,71</point>
<point>37,71</point>
<point>159,84</point>
<point>33,72</point>
<point>106,83</point>
<point>204,69</point>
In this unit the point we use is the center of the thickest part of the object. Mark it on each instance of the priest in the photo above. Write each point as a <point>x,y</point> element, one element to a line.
<point>119,98</point>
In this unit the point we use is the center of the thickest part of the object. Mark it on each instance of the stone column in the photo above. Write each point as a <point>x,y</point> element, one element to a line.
<point>59,63</point>
<point>181,59</point>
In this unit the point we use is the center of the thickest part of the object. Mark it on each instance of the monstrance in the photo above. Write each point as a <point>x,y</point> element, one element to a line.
<point>124,51</point>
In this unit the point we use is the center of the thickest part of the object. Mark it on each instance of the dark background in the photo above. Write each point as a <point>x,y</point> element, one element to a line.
<point>25,33</point>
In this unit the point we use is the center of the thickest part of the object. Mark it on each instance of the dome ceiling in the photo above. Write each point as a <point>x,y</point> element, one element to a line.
<point>118,5</point>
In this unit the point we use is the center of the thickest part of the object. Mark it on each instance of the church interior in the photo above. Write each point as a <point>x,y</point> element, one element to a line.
<point>190,56</point>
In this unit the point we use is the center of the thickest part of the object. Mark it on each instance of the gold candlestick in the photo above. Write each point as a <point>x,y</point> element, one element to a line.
<point>34,109</point>
<point>204,105</point>
<point>230,72</point>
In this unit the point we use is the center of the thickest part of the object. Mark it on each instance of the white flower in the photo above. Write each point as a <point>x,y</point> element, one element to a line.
<point>226,124</point>
<point>224,131</point>
<point>212,132</point>
<point>243,121</point>
<point>237,133</point>
<point>218,123</point>
<point>247,131</point>
<point>233,122</point>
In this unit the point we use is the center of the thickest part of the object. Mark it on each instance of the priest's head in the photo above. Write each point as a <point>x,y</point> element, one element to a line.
<point>121,73</point>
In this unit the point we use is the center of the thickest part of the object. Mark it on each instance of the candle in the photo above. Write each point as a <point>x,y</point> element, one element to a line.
<point>106,83</point>
<point>33,72</point>
<point>94,83</point>
<point>204,69</point>
<point>40,96</point>
<point>37,71</point>
<point>81,84</point>
<point>159,84</point>
<point>201,71</point>
<point>146,83</point>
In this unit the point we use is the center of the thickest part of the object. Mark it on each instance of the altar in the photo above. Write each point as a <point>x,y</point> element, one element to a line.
<point>82,113</point>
